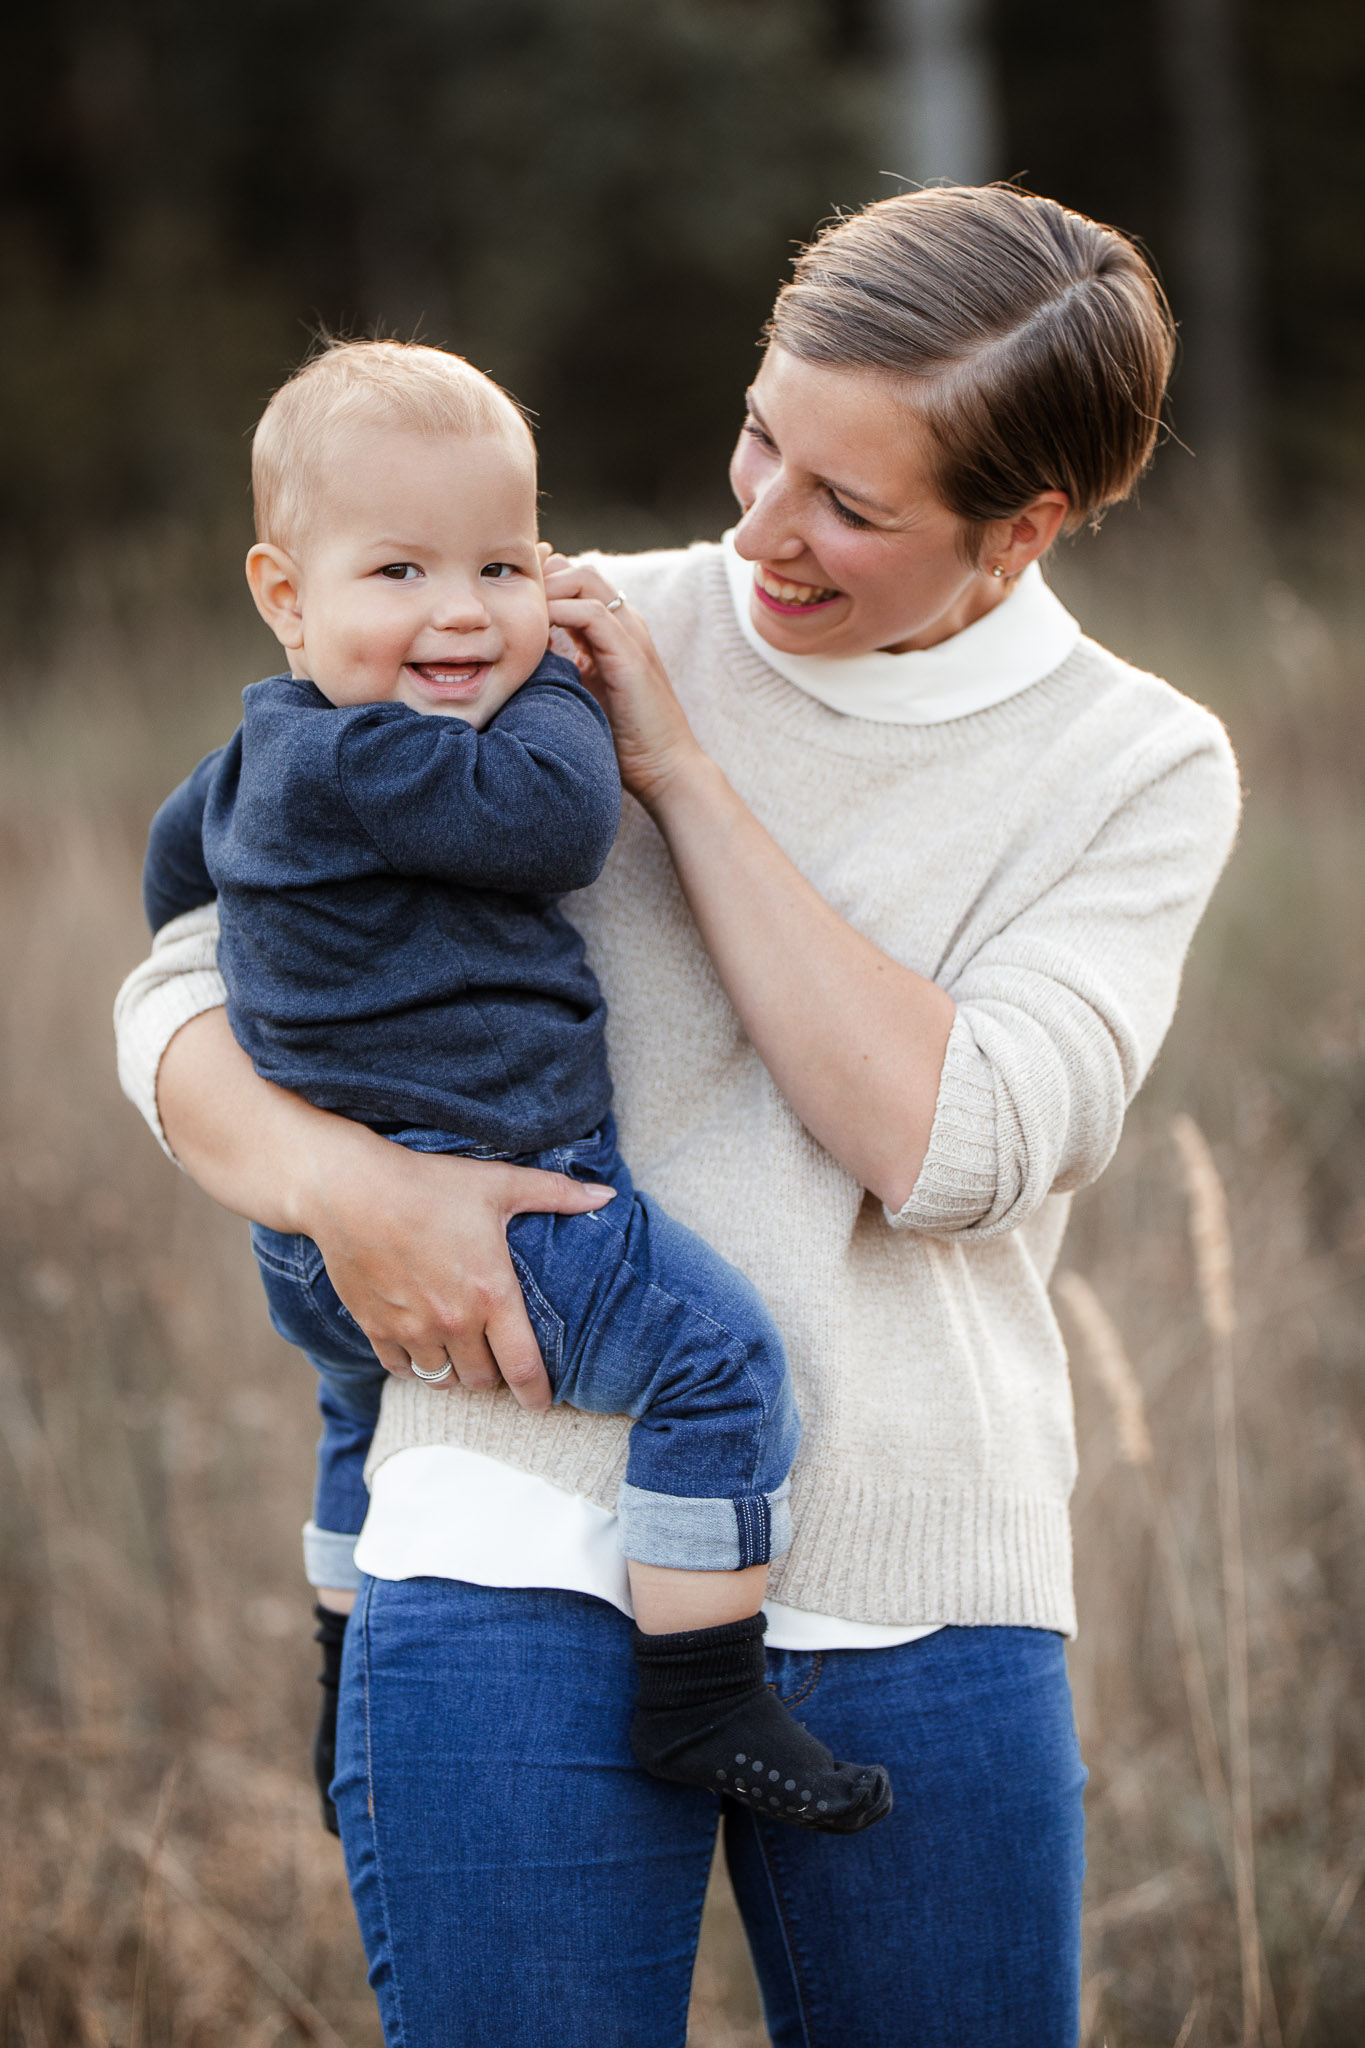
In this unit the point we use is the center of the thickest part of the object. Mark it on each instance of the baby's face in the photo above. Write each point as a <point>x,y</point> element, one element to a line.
<point>419,581</point>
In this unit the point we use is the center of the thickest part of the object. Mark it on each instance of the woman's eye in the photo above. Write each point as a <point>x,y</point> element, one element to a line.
<point>846,514</point>
<point>757,433</point>
<point>400,572</point>
<point>498,572</point>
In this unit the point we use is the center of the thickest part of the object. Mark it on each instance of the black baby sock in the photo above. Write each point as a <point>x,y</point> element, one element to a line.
<point>706,1716</point>
<point>330,1633</point>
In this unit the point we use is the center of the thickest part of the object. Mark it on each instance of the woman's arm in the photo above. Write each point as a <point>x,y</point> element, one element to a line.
<point>415,1244</point>
<point>854,1040</point>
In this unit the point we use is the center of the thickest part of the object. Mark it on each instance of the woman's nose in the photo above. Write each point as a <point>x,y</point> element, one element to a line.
<point>766,530</point>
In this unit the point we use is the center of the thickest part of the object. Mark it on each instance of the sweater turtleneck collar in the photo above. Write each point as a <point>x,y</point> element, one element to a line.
<point>1025,638</point>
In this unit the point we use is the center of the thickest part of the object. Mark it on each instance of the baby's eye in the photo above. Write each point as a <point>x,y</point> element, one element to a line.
<point>400,572</point>
<point>498,572</point>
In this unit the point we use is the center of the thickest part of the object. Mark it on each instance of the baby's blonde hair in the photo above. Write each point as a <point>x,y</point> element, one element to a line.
<point>365,383</point>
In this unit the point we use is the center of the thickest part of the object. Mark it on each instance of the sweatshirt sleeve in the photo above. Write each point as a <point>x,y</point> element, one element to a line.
<point>530,805</point>
<point>177,981</point>
<point>1061,1013</point>
<point>174,876</point>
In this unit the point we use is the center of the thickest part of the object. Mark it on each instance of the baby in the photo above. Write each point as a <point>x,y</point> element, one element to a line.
<point>387,834</point>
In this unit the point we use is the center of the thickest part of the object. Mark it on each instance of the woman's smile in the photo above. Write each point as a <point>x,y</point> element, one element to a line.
<point>834,471</point>
<point>782,594</point>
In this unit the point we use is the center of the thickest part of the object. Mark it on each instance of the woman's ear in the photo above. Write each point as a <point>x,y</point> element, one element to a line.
<point>1014,543</point>
<point>277,586</point>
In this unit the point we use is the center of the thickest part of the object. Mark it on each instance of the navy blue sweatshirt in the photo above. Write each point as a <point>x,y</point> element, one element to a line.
<point>386,885</point>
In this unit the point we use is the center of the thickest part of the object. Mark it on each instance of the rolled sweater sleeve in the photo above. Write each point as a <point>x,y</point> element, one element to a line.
<point>178,980</point>
<point>1062,1010</point>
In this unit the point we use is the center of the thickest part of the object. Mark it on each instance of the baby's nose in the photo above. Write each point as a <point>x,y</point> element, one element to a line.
<point>461,611</point>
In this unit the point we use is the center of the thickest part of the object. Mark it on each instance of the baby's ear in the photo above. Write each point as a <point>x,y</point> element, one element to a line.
<point>275,583</point>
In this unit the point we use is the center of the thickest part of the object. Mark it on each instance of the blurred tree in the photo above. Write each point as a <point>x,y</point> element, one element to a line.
<point>1118,111</point>
<point>594,201</point>
<point>943,122</point>
<point>1215,206</point>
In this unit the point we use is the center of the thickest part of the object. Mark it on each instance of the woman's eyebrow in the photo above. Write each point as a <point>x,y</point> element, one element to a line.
<point>831,483</point>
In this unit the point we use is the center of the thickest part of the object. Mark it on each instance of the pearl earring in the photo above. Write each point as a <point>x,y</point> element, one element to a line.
<point>997,570</point>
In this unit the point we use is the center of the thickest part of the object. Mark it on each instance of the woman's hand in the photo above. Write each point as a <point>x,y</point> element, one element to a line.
<point>415,1243</point>
<point>620,665</point>
<point>416,1246</point>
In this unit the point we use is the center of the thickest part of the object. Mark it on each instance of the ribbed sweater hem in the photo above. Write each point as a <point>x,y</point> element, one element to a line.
<point>902,1554</point>
<point>917,1553</point>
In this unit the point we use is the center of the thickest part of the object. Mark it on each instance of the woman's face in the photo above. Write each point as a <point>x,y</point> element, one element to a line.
<point>851,546</point>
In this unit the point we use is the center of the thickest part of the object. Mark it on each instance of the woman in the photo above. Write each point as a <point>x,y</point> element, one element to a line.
<point>891,935</point>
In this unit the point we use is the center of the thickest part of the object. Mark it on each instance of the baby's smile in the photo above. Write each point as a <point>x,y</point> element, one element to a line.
<point>449,679</point>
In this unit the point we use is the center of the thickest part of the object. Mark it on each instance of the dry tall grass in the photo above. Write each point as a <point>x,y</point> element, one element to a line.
<point>163,1880</point>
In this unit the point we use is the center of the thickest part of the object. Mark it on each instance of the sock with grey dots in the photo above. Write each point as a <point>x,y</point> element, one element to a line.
<point>705,1715</point>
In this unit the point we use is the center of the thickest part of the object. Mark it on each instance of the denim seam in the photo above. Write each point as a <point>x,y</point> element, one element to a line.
<point>802,1999</point>
<point>322,1313</point>
<point>754,1522</point>
<point>552,1317</point>
<point>730,1339</point>
<point>686,2006</point>
<point>374,1831</point>
<point>321,1317</point>
<point>797,1698</point>
<point>288,1269</point>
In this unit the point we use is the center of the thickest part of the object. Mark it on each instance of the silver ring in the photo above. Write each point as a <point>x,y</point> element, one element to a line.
<point>617,601</point>
<point>432,1379</point>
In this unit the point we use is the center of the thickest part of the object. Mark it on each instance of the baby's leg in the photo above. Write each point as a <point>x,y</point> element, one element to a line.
<point>637,1315</point>
<point>305,1309</point>
<point>667,1598</point>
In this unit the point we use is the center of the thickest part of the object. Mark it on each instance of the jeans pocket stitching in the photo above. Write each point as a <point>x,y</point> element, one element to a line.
<point>342,1309</point>
<point>289,1266</point>
<point>540,1310</point>
<point>804,1692</point>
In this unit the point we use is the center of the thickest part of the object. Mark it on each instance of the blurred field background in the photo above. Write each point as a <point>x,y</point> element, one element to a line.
<point>595,201</point>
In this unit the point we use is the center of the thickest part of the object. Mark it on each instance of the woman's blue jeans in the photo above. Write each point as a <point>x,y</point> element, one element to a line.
<point>521,1883</point>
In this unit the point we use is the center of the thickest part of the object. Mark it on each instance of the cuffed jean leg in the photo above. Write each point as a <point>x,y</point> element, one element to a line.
<point>307,1311</point>
<point>636,1315</point>
<point>704,1535</point>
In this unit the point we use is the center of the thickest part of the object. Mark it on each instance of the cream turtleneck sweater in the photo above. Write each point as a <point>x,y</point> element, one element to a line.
<point>1045,858</point>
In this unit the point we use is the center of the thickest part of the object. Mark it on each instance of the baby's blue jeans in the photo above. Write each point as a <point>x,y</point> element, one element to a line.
<point>635,1315</point>
<point>520,1881</point>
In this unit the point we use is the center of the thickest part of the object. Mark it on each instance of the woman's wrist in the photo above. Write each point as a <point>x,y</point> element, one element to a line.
<point>330,1158</point>
<point>688,785</point>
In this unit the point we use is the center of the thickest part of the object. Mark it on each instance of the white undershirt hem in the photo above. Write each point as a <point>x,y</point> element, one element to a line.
<point>439,1511</point>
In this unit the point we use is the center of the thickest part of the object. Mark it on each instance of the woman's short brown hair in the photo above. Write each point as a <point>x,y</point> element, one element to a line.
<point>1037,343</point>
